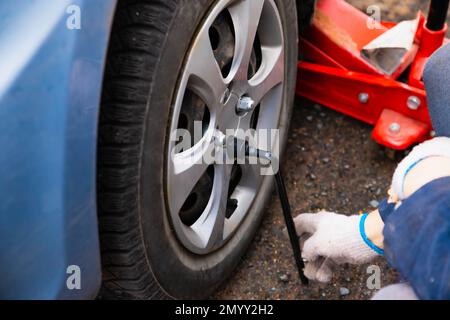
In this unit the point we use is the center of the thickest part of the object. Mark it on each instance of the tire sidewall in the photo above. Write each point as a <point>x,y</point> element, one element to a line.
<point>180,273</point>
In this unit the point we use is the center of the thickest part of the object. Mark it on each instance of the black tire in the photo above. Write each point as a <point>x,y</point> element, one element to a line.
<point>141,257</point>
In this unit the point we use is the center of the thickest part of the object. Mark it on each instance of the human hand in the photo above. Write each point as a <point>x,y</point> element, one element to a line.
<point>334,239</point>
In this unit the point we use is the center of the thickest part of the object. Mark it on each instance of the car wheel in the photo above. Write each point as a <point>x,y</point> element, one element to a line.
<point>170,227</point>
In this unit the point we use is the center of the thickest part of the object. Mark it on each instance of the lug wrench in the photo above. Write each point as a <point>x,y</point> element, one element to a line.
<point>293,237</point>
<point>286,207</point>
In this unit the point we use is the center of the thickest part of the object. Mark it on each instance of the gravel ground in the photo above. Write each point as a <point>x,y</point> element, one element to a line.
<point>331,163</point>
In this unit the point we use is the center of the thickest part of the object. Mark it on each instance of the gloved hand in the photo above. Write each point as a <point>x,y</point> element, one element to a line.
<point>335,239</point>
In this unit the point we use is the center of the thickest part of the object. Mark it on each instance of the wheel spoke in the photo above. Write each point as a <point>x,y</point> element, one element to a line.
<point>245,16</point>
<point>205,76</point>
<point>269,75</point>
<point>210,226</point>
<point>185,170</point>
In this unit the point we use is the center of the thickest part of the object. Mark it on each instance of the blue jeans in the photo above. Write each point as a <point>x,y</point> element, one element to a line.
<point>437,84</point>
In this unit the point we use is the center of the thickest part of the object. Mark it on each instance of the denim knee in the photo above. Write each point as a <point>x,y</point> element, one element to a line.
<point>437,84</point>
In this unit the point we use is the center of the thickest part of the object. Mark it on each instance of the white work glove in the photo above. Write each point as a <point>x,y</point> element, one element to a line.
<point>334,239</point>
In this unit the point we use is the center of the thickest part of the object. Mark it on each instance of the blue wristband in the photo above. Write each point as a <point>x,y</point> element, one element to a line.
<point>362,231</point>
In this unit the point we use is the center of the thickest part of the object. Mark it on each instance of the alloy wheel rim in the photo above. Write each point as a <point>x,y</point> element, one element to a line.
<point>207,202</point>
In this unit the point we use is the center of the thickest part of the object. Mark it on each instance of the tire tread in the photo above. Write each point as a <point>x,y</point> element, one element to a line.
<point>139,30</point>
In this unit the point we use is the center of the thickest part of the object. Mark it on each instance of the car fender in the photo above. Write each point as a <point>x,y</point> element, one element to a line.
<point>50,87</point>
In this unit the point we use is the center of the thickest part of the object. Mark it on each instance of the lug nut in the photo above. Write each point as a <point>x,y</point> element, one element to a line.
<point>245,104</point>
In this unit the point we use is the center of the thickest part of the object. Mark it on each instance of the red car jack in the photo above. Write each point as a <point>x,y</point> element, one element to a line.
<point>343,70</point>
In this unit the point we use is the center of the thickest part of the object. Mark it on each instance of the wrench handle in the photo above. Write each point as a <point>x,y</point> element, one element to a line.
<point>293,237</point>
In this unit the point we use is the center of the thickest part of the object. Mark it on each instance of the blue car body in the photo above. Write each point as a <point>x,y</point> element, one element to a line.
<point>50,87</point>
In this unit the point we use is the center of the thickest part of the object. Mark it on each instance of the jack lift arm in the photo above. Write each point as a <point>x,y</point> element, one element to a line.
<point>335,73</point>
